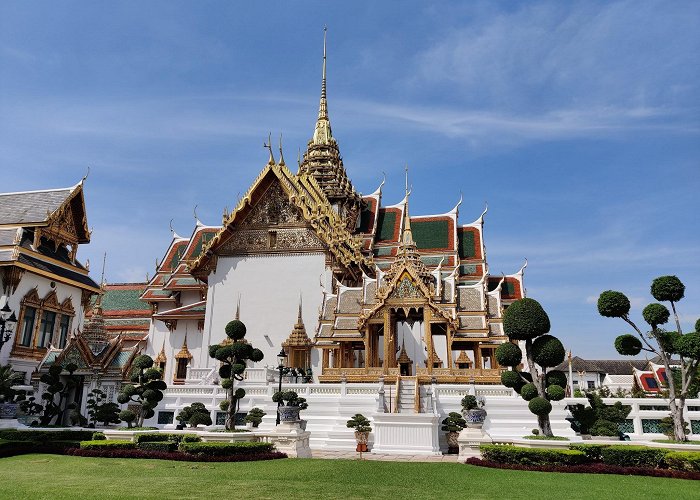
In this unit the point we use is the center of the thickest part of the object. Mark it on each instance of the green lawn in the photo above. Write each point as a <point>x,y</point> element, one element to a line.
<point>55,477</point>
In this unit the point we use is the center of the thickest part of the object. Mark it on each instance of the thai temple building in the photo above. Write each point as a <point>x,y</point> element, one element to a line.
<point>349,287</point>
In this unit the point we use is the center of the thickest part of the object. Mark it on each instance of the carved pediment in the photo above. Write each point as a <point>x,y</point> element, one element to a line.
<point>273,208</point>
<point>73,355</point>
<point>406,289</point>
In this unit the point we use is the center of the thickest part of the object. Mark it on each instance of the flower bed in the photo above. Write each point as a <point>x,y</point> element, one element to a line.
<point>591,468</point>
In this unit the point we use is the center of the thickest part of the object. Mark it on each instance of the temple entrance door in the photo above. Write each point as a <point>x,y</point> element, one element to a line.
<point>405,369</point>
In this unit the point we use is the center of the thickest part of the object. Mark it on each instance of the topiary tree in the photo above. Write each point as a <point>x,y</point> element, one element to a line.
<point>127,416</point>
<point>233,358</point>
<point>525,320</point>
<point>194,415</point>
<point>255,416</point>
<point>58,385</point>
<point>100,410</point>
<point>146,389</point>
<point>664,344</point>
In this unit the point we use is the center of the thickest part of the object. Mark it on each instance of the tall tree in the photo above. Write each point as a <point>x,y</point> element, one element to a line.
<point>233,357</point>
<point>525,320</point>
<point>665,344</point>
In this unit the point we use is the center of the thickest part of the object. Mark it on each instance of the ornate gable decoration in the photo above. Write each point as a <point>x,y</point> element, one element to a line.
<point>322,228</point>
<point>406,289</point>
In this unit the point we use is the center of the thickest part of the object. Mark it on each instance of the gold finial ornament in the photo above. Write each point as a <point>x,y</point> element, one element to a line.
<point>268,145</point>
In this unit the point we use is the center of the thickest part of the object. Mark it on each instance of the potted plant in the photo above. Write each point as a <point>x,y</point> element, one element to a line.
<point>451,425</point>
<point>290,406</point>
<point>473,411</point>
<point>254,417</point>
<point>362,429</point>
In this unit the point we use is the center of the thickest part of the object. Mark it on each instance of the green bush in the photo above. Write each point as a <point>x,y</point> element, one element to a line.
<point>556,377</point>
<point>656,314</point>
<point>633,456</point>
<point>683,460</point>
<point>612,304</point>
<point>167,446</point>
<point>506,454</point>
<point>667,288</point>
<point>594,452</point>
<point>509,354</point>
<point>603,427</point>
<point>161,437</point>
<point>44,436</point>
<point>548,351</point>
<point>525,319</point>
<point>98,436</point>
<point>528,391</point>
<point>628,345</point>
<point>225,449</point>
<point>555,392</point>
<point>540,406</point>
<point>109,444</point>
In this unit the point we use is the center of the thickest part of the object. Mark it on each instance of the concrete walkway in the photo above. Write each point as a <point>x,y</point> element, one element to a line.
<point>352,455</point>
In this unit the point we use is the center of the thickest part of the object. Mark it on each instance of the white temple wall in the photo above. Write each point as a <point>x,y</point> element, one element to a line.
<point>269,287</point>
<point>43,285</point>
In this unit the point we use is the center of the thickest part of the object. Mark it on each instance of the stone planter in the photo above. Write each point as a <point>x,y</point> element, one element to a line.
<point>361,438</point>
<point>452,442</point>
<point>8,410</point>
<point>302,424</point>
<point>475,418</point>
<point>289,413</point>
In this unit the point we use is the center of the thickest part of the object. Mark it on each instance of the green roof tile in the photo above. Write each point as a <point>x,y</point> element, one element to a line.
<point>431,234</point>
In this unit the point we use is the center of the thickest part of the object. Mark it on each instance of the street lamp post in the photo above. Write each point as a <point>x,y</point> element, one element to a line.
<point>7,324</point>
<point>281,357</point>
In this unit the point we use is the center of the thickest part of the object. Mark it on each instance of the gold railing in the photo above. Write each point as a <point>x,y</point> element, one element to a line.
<point>416,405</point>
<point>468,372</point>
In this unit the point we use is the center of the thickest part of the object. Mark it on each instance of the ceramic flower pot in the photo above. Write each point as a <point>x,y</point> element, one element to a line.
<point>289,413</point>
<point>475,418</point>
<point>8,410</point>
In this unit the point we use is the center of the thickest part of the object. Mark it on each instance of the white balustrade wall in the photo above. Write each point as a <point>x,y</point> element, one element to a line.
<point>331,405</point>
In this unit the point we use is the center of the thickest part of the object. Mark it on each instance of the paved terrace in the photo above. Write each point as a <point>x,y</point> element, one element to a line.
<point>353,455</point>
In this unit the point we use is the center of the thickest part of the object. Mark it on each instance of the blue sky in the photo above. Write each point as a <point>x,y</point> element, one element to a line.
<point>578,123</point>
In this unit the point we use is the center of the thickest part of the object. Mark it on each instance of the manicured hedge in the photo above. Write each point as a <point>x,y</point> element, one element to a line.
<point>112,444</point>
<point>181,457</point>
<point>506,454</point>
<point>594,452</point>
<point>12,448</point>
<point>43,436</point>
<point>225,449</point>
<point>633,456</point>
<point>165,446</point>
<point>683,460</point>
<point>159,437</point>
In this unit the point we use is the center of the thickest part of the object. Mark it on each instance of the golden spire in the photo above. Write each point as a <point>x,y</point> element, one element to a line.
<point>407,237</point>
<point>238,308</point>
<point>322,133</point>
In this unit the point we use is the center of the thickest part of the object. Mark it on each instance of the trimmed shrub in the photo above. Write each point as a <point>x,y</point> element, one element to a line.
<point>656,314</point>
<point>112,444</point>
<point>556,377</point>
<point>225,449</point>
<point>603,427</point>
<point>44,436</point>
<point>165,446</point>
<point>667,288</point>
<point>540,406</point>
<point>509,354</point>
<point>506,454</point>
<point>528,392</point>
<point>160,437</point>
<point>12,448</point>
<point>633,456</point>
<point>525,319</point>
<point>548,351</point>
<point>98,436</point>
<point>511,379</point>
<point>683,460</point>
<point>177,456</point>
<point>612,304</point>
<point>594,452</point>
<point>555,392</point>
<point>628,345</point>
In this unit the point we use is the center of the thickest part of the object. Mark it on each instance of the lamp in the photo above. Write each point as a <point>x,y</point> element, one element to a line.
<point>281,358</point>
<point>7,324</point>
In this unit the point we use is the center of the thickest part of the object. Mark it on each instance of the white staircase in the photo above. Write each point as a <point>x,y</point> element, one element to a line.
<point>407,395</point>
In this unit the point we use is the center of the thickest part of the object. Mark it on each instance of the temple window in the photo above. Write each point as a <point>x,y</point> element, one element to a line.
<point>64,327</point>
<point>272,239</point>
<point>28,326</point>
<point>48,322</point>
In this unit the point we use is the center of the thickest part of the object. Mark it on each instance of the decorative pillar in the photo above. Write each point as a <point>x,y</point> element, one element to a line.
<point>387,341</point>
<point>428,337</point>
<point>326,358</point>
